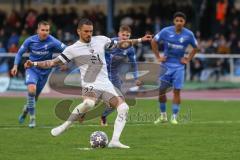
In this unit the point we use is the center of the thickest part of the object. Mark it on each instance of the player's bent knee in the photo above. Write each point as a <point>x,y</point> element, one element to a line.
<point>116,101</point>
<point>162,99</point>
<point>32,89</point>
<point>84,106</point>
<point>123,107</point>
<point>32,92</point>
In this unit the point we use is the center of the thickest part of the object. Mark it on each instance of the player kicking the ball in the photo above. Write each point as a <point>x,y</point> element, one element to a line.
<point>89,52</point>
<point>175,40</point>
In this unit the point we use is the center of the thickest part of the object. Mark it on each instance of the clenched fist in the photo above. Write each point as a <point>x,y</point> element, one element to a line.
<point>28,64</point>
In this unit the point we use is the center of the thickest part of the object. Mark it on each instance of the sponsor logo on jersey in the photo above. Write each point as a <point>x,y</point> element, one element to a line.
<point>40,52</point>
<point>175,46</point>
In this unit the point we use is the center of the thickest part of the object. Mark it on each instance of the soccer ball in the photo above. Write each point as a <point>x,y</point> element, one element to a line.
<point>98,139</point>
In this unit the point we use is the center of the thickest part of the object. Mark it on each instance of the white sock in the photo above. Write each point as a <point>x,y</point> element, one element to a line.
<point>66,125</point>
<point>120,121</point>
<point>174,116</point>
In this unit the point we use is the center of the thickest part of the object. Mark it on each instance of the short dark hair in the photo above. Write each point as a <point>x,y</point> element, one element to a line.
<point>84,21</point>
<point>46,23</point>
<point>179,14</point>
<point>125,28</point>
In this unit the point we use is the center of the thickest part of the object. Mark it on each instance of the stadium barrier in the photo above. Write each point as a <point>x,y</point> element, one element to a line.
<point>233,62</point>
<point>233,75</point>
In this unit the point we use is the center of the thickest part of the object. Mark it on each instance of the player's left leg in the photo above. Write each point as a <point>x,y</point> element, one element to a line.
<point>178,83</point>
<point>115,99</point>
<point>175,105</point>
<point>122,110</point>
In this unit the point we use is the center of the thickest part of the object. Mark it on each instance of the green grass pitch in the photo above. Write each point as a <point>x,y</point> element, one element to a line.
<point>208,130</point>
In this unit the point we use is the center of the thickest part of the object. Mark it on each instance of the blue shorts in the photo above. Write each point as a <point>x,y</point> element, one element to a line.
<point>174,77</point>
<point>32,77</point>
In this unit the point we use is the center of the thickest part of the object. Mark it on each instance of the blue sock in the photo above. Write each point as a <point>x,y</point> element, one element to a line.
<point>31,104</point>
<point>162,107</point>
<point>107,111</point>
<point>175,108</point>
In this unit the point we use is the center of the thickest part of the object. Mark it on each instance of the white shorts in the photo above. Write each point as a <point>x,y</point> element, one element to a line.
<point>103,92</point>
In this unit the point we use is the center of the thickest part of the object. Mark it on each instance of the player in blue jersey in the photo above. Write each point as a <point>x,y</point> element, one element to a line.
<point>175,41</point>
<point>41,47</point>
<point>114,59</point>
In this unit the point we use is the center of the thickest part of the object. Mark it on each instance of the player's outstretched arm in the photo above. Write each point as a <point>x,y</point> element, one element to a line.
<point>130,42</point>
<point>123,44</point>
<point>44,64</point>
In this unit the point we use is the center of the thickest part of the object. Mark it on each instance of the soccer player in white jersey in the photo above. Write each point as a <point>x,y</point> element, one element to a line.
<point>90,51</point>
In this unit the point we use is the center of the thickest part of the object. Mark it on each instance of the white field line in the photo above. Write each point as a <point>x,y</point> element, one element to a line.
<point>16,127</point>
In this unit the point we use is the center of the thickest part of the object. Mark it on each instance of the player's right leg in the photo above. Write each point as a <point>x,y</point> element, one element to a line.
<point>23,116</point>
<point>162,105</point>
<point>31,104</point>
<point>165,85</point>
<point>122,110</point>
<point>114,98</point>
<point>77,114</point>
<point>31,81</point>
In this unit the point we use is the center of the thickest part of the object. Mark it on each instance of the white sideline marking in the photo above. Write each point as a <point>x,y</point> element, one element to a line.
<point>215,122</point>
<point>15,127</point>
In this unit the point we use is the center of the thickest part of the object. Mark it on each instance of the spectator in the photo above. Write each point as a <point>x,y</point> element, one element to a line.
<point>3,61</point>
<point>210,48</point>
<point>22,37</point>
<point>13,48</point>
<point>223,45</point>
<point>13,40</point>
<point>2,18</point>
<point>196,68</point>
<point>3,38</point>
<point>31,21</point>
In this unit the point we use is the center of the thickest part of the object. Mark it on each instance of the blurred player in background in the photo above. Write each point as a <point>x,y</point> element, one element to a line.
<point>41,47</point>
<point>175,40</point>
<point>89,52</point>
<point>114,59</point>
